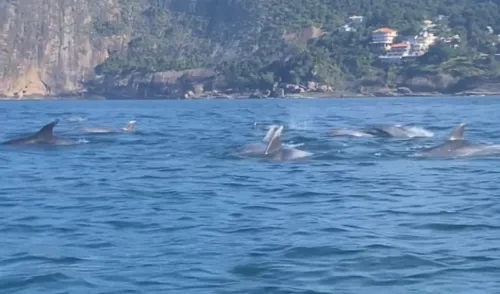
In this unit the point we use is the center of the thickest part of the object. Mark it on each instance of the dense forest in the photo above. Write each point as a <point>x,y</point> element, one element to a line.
<point>254,44</point>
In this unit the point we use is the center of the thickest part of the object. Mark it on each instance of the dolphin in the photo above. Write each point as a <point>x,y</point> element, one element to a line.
<point>457,146</point>
<point>385,131</point>
<point>274,149</point>
<point>44,136</point>
<point>129,128</point>
<point>260,148</point>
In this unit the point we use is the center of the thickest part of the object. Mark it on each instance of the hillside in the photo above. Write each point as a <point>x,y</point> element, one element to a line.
<point>176,48</point>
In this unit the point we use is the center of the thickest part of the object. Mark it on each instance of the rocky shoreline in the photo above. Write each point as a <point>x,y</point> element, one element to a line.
<point>381,93</point>
<point>200,84</point>
<point>206,83</point>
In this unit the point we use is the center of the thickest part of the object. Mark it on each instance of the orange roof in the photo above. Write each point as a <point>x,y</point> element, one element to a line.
<point>385,30</point>
<point>400,45</point>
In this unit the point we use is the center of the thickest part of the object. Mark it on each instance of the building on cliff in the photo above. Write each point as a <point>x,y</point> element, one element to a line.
<point>383,38</point>
<point>396,53</point>
<point>412,47</point>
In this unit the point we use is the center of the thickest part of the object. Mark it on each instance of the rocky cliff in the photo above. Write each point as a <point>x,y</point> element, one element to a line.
<point>49,47</point>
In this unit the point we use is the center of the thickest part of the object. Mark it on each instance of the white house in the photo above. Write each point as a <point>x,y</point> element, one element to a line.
<point>356,19</point>
<point>384,37</point>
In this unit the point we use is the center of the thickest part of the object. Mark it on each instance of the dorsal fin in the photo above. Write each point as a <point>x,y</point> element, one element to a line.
<point>47,130</point>
<point>270,133</point>
<point>275,142</point>
<point>458,133</point>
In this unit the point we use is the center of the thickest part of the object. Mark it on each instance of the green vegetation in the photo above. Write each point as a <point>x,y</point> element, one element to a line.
<point>108,28</point>
<point>256,43</point>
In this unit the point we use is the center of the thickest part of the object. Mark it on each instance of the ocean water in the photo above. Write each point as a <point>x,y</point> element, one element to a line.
<point>174,209</point>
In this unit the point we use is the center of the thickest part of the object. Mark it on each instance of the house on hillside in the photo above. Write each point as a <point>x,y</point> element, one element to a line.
<point>356,19</point>
<point>423,41</point>
<point>411,48</point>
<point>383,38</point>
<point>399,49</point>
<point>454,40</point>
<point>428,24</point>
<point>352,23</point>
<point>396,53</point>
<point>347,28</point>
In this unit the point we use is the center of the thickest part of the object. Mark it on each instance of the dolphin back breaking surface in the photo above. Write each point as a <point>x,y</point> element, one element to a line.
<point>457,146</point>
<point>129,128</point>
<point>45,136</point>
<point>385,131</point>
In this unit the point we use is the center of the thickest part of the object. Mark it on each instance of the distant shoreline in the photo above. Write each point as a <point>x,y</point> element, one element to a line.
<point>308,95</point>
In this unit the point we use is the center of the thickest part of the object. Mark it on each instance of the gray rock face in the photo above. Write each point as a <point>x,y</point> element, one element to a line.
<point>50,47</point>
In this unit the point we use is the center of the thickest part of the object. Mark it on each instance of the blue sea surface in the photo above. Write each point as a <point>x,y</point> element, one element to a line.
<point>173,208</point>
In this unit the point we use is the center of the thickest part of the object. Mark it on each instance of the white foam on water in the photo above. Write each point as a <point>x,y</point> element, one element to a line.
<point>419,132</point>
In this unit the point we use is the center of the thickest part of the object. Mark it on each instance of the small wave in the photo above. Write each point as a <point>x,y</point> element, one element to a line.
<point>82,141</point>
<point>283,289</point>
<point>260,208</point>
<point>250,269</point>
<point>379,247</point>
<point>249,230</point>
<point>458,227</point>
<point>121,225</point>
<point>32,258</point>
<point>30,282</point>
<point>318,251</point>
<point>75,118</point>
<point>414,132</point>
<point>290,145</point>
<point>294,125</point>
<point>436,273</point>
<point>334,230</point>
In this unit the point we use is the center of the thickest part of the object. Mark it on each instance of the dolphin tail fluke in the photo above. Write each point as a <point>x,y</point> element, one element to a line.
<point>458,133</point>
<point>275,142</point>
<point>130,127</point>
<point>47,130</point>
